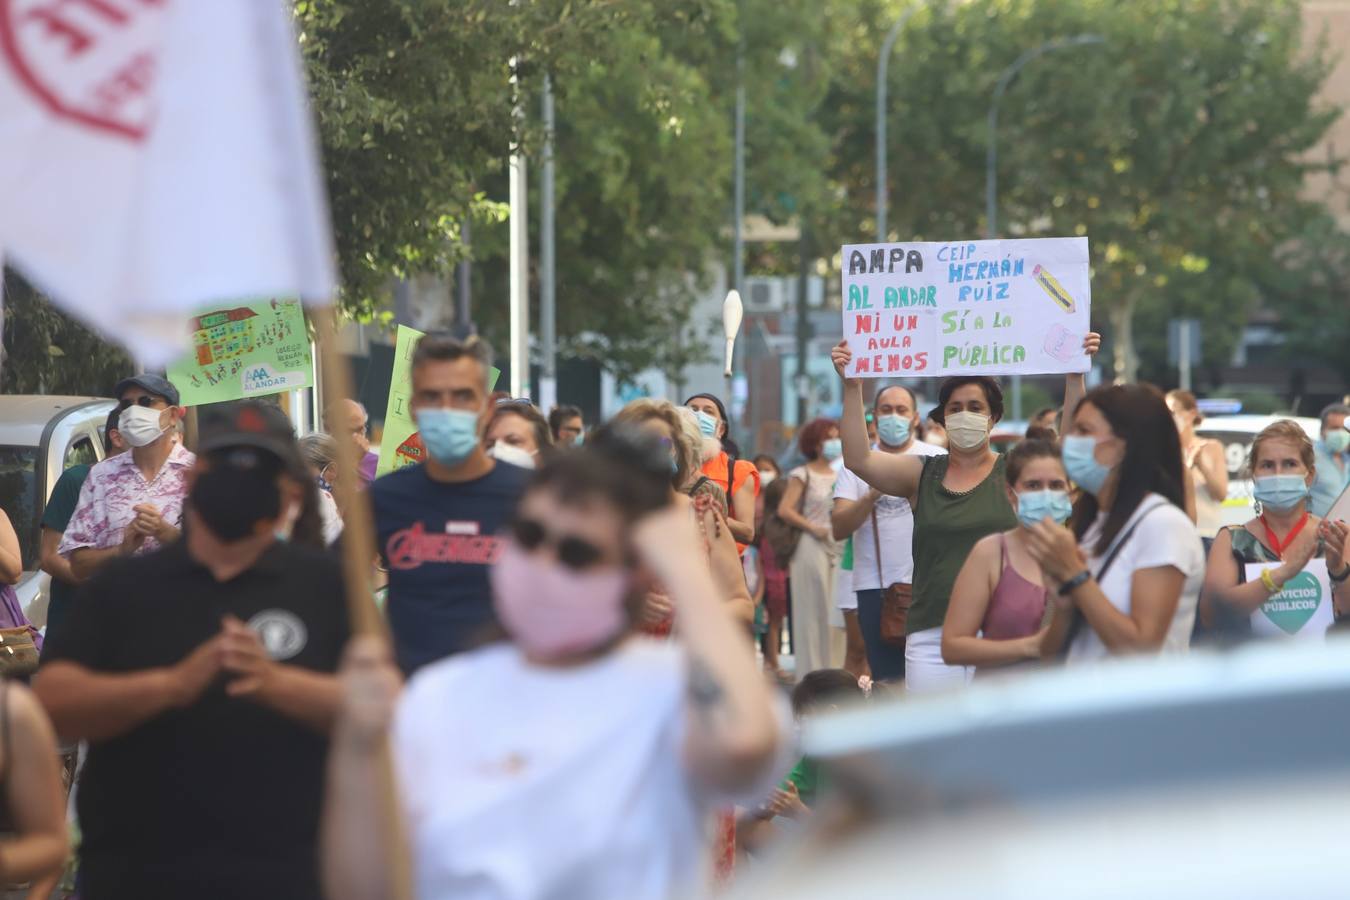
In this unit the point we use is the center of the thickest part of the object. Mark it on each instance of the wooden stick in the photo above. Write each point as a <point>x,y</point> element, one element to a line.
<point>358,557</point>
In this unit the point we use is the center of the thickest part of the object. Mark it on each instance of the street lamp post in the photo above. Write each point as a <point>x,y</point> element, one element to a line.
<point>991,159</point>
<point>882,65</point>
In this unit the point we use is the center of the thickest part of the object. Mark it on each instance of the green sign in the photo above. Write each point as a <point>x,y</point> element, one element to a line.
<point>245,351</point>
<point>401,445</point>
<point>1296,604</point>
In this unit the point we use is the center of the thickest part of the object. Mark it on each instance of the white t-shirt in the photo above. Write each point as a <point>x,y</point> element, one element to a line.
<point>1167,537</point>
<point>896,520</point>
<point>521,782</point>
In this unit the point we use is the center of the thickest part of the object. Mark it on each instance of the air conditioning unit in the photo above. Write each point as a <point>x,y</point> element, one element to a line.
<point>766,295</point>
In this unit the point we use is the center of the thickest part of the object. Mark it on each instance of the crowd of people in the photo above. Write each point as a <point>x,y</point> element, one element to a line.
<point>593,634</point>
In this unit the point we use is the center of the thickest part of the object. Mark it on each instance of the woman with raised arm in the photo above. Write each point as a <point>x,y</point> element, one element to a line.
<point>957,498</point>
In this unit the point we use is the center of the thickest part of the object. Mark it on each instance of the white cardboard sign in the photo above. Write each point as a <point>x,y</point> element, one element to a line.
<point>967,308</point>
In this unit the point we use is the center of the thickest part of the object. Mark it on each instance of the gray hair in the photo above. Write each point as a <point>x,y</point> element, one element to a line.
<point>1335,409</point>
<point>444,348</point>
<point>319,450</point>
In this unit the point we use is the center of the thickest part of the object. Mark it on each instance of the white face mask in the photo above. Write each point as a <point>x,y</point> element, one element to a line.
<point>139,425</point>
<point>766,478</point>
<point>508,453</point>
<point>967,430</point>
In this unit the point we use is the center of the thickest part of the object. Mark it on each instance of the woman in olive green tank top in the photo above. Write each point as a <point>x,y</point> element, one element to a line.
<point>957,499</point>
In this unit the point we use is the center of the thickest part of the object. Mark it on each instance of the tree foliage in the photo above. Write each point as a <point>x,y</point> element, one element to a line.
<point>47,352</point>
<point>1178,145</point>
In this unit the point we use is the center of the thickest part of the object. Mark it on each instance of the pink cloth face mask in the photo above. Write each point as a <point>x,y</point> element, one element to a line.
<point>552,611</point>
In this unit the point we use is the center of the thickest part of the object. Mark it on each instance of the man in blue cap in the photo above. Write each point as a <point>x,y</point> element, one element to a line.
<point>132,503</point>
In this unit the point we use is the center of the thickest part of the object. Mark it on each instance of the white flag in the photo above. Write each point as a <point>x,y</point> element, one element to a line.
<point>157,156</point>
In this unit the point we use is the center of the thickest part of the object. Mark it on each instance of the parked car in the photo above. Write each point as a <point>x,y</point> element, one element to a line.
<point>1236,434</point>
<point>41,437</point>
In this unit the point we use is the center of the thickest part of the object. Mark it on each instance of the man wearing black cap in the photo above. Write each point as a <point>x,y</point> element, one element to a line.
<point>132,503</point>
<point>201,675</point>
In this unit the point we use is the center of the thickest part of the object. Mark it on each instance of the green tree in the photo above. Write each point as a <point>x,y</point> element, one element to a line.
<point>1178,146</point>
<point>47,352</point>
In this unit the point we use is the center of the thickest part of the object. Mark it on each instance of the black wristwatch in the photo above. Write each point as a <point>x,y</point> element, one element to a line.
<point>1341,576</point>
<point>1074,583</point>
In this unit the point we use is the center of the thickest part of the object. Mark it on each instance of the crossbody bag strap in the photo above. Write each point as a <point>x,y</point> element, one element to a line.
<point>1112,552</point>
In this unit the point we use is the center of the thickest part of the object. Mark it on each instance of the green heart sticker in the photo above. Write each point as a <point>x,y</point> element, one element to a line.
<point>1292,607</point>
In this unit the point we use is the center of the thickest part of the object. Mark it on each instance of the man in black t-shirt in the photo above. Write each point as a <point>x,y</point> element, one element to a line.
<point>437,522</point>
<point>201,675</point>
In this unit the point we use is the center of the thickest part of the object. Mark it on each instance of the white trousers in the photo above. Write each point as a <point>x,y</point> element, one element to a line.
<point>925,672</point>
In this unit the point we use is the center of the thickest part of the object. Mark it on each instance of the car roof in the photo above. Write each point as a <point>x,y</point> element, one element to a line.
<point>1254,424</point>
<point>23,417</point>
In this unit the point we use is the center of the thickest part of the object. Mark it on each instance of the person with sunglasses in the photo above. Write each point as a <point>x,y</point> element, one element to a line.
<point>573,757</point>
<point>436,522</point>
<point>132,503</point>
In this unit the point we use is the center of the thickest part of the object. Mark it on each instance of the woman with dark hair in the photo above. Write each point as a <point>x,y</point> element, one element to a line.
<point>806,505</point>
<point>518,434</point>
<point>1250,565</point>
<point>575,759</point>
<point>567,426</point>
<point>998,601</point>
<point>1127,577</point>
<point>958,498</point>
<point>739,478</point>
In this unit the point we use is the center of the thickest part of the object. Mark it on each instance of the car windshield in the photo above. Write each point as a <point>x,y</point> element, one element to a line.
<point>19,497</point>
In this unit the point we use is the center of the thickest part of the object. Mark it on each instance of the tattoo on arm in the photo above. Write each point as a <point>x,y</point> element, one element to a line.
<point>705,692</point>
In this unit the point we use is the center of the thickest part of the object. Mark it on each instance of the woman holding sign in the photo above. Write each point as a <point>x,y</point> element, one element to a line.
<point>958,499</point>
<point>1272,576</point>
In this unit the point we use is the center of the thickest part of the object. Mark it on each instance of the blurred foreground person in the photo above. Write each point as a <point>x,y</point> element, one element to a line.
<point>33,817</point>
<point>574,759</point>
<point>207,727</point>
<point>1259,581</point>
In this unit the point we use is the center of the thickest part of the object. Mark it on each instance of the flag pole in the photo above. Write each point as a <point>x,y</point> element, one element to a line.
<point>358,556</point>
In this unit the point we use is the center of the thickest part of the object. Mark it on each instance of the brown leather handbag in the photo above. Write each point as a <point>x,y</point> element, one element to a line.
<point>895,598</point>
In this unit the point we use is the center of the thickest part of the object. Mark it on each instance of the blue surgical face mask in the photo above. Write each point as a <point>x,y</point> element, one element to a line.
<point>579,439</point>
<point>893,430</point>
<point>1037,506</point>
<point>1338,441</point>
<point>1082,466</point>
<point>1280,492</point>
<point>706,423</point>
<point>832,449</point>
<point>450,435</point>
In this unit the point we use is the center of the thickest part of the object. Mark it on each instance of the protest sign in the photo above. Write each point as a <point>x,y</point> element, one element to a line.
<point>969,308</point>
<point>245,351</point>
<point>1301,609</point>
<point>400,444</point>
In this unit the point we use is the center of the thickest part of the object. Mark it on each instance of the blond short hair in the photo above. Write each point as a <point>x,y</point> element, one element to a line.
<point>685,433</point>
<point>1284,430</point>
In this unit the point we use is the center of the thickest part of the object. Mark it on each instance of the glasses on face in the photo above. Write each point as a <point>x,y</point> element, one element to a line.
<point>573,552</point>
<point>143,400</point>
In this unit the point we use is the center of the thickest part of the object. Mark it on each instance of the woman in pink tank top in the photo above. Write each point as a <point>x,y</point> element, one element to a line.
<point>998,602</point>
